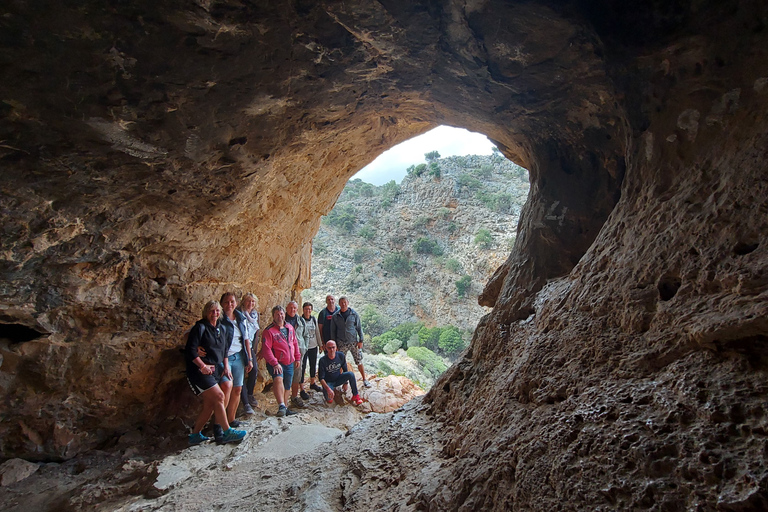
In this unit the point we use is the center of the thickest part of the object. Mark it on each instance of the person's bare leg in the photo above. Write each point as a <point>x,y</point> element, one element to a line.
<point>234,402</point>
<point>361,370</point>
<point>213,402</point>
<point>295,390</point>
<point>277,388</point>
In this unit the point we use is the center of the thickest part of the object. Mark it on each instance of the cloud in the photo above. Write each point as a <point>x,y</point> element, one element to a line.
<point>446,140</point>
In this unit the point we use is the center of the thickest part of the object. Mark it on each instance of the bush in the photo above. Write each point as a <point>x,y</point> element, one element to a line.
<point>434,170</point>
<point>450,341</point>
<point>389,192</point>
<point>342,217</point>
<point>367,232</point>
<point>429,337</point>
<point>443,212</point>
<point>374,322</point>
<point>397,263</point>
<point>463,285</point>
<point>452,227</point>
<point>360,254</point>
<point>428,360</point>
<point>426,245</point>
<point>453,265</point>
<point>468,181</point>
<point>417,170</point>
<point>483,238</point>
<point>431,156</point>
<point>392,346</point>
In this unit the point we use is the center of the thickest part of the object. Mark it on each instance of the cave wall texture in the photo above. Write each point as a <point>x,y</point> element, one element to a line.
<point>156,154</point>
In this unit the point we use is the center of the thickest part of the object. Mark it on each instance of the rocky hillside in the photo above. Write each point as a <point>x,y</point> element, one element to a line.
<point>398,251</point>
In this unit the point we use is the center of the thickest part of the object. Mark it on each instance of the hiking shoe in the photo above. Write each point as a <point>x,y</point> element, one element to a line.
<point>315,387</point>
<point>218,433</point>
<point>304,395</point>
<point>281,411</point>
<point>289,412</point>
<point>233,436</point>
<point>298,402</point>
<point>357,400</point>
<point>234,424</point>
<point>197,438</point>
<point>366,383</point>
<point>252,400</point>
<point>247,409</point>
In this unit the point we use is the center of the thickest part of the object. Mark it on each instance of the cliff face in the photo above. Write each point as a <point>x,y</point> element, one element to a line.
<point>153,155</point>
<point>432,223</point>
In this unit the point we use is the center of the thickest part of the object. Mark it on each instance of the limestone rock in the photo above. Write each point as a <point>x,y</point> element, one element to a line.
<point>15,470</point>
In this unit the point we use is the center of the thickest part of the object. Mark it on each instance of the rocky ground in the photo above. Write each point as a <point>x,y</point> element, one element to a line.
<point>141,472</point>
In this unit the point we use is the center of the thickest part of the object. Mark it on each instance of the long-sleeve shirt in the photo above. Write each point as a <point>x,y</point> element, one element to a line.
<point>347,331</point>
<point>278,349</point>
<point>213,340</point>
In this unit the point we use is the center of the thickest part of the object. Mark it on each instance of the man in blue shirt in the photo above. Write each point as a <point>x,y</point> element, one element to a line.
<point>333,372</point>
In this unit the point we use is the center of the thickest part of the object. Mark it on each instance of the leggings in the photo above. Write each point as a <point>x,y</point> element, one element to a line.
<point>312,356</point>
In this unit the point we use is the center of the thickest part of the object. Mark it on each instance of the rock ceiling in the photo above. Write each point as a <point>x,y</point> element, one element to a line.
<point>154,154</point>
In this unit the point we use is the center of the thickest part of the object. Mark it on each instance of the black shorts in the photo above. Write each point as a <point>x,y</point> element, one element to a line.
<point>199,382</point>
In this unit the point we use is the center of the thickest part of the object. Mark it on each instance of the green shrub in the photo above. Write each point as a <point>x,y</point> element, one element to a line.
<point>389,191</point>
<point>361,254</point>
<point>434,170</point>
<point>374,322</point>
<point>397,263</point>
<point>422,221</point>
<point>468,181</point>
<point>429,337</point>
<point>463,285</point>
<point>443,212</point>
<point>452,227</point>
<point>385,368</point>
<point>431,156</point>
<point>483,238</point>
<point>453,265</point>
<point>367,232</point>
<point>392,346</point>
<point>426,245</point>
<point>342,217</point>
<point>419,170</point>
<point>450,341</point>
<point>428,360</point>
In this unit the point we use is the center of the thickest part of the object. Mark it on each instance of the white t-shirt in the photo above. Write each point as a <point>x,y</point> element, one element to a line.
<point>237,341</point>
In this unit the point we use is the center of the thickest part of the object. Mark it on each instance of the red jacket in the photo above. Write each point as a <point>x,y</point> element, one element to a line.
<point>275,348</point>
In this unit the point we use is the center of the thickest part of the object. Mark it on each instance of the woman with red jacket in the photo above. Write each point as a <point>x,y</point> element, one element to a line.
<point>280,349</point>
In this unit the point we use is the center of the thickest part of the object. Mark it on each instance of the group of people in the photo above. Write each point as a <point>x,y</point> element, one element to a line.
<point>221,349</point>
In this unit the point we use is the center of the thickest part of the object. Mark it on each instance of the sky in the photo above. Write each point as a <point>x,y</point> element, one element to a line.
<point>446,140</point>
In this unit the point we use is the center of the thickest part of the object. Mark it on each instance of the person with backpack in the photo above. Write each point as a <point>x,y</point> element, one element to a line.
<point>209,375</point>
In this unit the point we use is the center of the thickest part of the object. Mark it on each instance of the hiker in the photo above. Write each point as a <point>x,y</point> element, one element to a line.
<point>333,372</point>
<point>347,331</point>
<point>300,328</point>
<point>280,350</point>
<point>210,376</point>
<point>248,308</point>
<point>239,353</point>
<point>314,342</point>
<point>324,319</point>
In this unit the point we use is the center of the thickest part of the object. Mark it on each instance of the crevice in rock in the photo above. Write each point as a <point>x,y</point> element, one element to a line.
<point>668,287</point>
<point>744,248</point>
<point>19,333</point>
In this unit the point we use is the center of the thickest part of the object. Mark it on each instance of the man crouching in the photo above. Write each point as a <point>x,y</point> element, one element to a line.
<point>332,372</point>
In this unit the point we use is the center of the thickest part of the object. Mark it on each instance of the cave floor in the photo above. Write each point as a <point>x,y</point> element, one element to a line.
<point>316,460</point>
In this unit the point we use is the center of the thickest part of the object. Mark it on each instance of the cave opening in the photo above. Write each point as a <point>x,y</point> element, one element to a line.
<point>411,241</point>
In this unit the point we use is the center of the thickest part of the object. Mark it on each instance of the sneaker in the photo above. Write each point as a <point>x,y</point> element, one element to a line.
<point>281,411</point>
<point>366,383</point>
<point>247,409</point>
<point>298,402</point>
<point>315,387</point>
<point>289,412</point>
<point>218,433</point>
<point>197,438</point>
<point>252,400</point>
<point>304,395</point>
<point>233,436</point>
<point>234,424</point>
<point>357,400</point>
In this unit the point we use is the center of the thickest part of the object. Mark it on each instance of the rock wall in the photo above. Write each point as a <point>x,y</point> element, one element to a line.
<point>154,154</point>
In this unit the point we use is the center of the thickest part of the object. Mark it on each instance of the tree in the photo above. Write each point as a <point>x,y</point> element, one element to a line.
<point>463,285</point>
<point>374,323</point>
<point>434,170</point>
<point>431,156</point>
<point>397,263</point>
<point>426,245</point>
<point>483,238</point>
<point>451,341</point>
